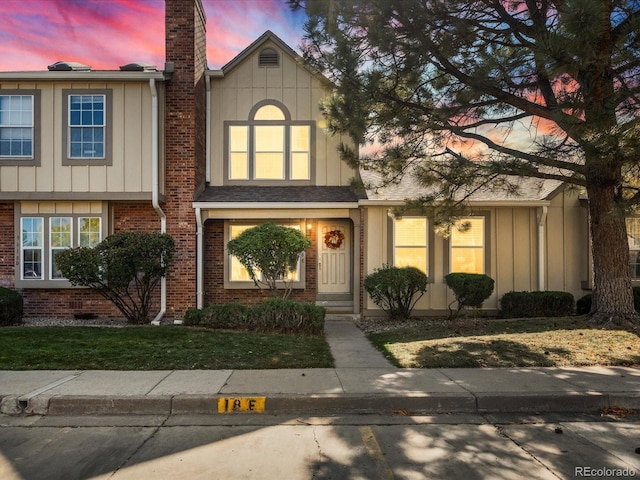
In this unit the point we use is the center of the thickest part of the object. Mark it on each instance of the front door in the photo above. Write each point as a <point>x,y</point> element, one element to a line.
<point>334,257</point>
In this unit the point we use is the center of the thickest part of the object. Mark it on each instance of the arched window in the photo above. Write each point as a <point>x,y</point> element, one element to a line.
<point>269,146</point>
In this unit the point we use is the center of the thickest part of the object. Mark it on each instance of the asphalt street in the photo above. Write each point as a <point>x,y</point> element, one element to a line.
<point>246,446</point>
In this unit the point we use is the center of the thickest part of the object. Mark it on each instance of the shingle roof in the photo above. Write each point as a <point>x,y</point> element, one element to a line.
<point>529,189</point>
<point>277,194</point>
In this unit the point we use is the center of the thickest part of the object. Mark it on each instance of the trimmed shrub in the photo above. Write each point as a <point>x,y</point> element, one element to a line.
<point>274,315</point>
<point>470,289</point>
<point>280,315</point>
<point>583,305</point>
<point>536,304</point>
<point>228,316</point>
<point>11,307</point>
<point>396,289</point>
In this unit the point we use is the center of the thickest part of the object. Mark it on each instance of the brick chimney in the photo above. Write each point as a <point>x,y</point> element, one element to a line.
<point>185,124</point>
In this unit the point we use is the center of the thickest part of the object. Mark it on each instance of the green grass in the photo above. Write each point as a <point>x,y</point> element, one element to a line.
<point>540,342</point>
<point>155,348</point>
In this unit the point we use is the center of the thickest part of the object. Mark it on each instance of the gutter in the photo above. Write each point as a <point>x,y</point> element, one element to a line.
<point>155,189</point>
<point>542,221</point>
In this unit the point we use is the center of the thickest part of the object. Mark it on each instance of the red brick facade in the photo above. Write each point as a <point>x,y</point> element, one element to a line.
<point>214,259</point>
<point>185,144</point>
<point>7,245</point>
<point>38,302</point>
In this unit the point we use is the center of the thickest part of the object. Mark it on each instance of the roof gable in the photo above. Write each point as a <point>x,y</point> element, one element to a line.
<point>261,41</point>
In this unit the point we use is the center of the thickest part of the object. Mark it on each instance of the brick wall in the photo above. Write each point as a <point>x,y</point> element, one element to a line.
<point>185,143</point>
<point>214,291</point>
<point>65,303</point>
<point>7,245</point>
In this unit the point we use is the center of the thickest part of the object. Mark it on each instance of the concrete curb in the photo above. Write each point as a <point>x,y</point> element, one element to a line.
<point>576,402</point>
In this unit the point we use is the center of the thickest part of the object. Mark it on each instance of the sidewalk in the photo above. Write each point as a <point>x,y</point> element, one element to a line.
<point>362,381</point>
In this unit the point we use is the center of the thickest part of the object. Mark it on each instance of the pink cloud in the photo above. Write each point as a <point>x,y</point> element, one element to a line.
<point>107,34</point>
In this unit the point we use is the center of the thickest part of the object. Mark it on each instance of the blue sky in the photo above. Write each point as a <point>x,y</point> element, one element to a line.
<point>108,33</point>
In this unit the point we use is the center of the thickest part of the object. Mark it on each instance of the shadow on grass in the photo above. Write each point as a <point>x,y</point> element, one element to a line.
<point>495,353</point>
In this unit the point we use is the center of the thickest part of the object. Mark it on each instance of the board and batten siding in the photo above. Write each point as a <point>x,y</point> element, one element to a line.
<point>234,95</point>
<point>130,169</point>
<point>512,240</point>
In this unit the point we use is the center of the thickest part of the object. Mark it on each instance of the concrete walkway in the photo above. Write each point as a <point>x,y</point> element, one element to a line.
<point>361,382</point>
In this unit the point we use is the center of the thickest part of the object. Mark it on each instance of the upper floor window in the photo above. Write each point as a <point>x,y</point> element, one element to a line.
<point>87,128</point>
<point>467,246</point>
<point>19,117</point>
<point>410,242</point>
<point>269,146</point>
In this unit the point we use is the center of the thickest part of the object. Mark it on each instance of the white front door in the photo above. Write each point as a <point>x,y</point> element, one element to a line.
<point>334,257</point>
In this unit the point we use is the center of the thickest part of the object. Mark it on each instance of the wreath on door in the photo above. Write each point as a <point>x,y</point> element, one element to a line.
<point>333,239</point>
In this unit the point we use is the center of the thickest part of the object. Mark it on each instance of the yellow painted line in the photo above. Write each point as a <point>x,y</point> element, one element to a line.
<point>375,453</point>
<point>241,404</point>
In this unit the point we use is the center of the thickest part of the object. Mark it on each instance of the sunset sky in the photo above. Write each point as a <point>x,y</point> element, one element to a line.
<point>108,33</point>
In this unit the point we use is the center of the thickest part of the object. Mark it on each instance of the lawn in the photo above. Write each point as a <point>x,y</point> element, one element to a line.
<point>540,342</point>
<point>155,348</point>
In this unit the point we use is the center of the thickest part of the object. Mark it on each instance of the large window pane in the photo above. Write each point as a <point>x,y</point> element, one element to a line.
<point>269,152</point>
<point>410,242</point>
<point>467,246</point>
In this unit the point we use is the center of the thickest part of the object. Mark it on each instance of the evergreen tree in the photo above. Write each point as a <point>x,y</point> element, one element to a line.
<point>446,89</point>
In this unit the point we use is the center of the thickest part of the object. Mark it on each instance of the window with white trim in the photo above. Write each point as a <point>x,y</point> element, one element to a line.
<point>410,242</point>
<point>467,246</point>
<point>269,147</point>
<point>43,237</point>
<point>633,235</point>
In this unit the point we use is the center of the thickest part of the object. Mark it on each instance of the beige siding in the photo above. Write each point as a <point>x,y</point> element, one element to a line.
<point>233,96</point>
<point>512,240</point>
<point>130,170</point>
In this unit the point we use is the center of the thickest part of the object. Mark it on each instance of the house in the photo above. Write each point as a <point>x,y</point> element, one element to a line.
<point>205,154</point>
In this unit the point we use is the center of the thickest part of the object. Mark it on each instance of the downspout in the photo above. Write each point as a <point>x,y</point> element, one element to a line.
<point>207,134</point>
<point>542,221</point>
<point>155,189</point>
<point>199,260</point>
<point>199,225</point>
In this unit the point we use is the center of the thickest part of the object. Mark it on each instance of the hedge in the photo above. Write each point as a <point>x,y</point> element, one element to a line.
<point>536,304</point>
<point>274,315</point>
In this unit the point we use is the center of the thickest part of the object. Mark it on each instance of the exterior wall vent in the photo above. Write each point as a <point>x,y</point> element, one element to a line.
<point>269,58</point>
<point>68,67</point>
